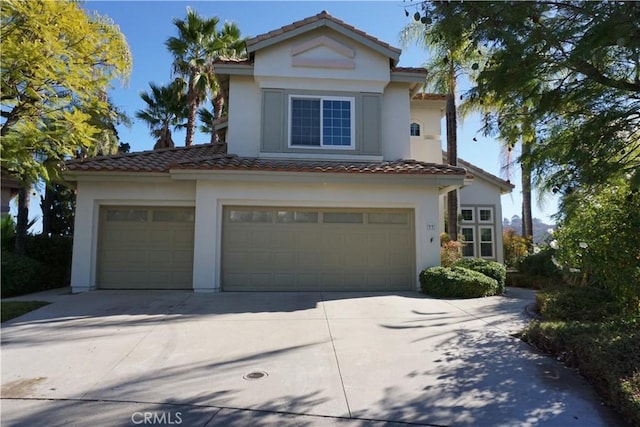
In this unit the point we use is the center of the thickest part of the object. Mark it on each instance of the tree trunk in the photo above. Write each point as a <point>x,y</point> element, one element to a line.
<point>46,203</point>
<point>218,106</point>
<point>192,109</point>
<point>22,223</point>
<point>527,219</point>
<point>452,159</point>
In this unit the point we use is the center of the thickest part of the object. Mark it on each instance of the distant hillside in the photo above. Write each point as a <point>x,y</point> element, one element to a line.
<point>540,229</point>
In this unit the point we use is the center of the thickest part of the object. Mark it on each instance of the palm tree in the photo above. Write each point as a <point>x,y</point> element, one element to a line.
<point>166,109</point>
<point>511,122</point>
<point>233,48</point>
<point>450,56</point>
<point>194,50</point>
<point>207,118</point>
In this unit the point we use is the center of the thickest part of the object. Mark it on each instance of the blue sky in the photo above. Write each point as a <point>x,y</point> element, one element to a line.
<point>148,24</point>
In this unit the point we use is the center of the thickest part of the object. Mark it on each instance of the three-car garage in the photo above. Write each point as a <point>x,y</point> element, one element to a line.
<point>262,248</point>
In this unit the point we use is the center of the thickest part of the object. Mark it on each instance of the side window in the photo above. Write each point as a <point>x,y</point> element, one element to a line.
<point>486,242</point>
<point>468,250</point>
<point>467,214</point>
<point>485,215</point>
<point>415,129</point>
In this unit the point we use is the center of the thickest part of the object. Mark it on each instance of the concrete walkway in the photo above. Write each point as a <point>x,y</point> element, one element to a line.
<point>299,359</point>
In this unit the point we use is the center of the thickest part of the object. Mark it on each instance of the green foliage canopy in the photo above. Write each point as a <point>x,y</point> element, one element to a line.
<point>57,63</point>
<point>598,235</point>
<point>576,63</point>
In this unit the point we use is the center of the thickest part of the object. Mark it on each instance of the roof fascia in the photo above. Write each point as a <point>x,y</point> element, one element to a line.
<point>393,55</point>
<point>234,69</point>
<point>407,77</point>
<point>116,176</point>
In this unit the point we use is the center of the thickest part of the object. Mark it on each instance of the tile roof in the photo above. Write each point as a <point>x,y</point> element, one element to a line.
<point>145,161</point>
<point>214,157</point>
<point>316,18</point>
<point>233,162</point>
<point>473,171</point>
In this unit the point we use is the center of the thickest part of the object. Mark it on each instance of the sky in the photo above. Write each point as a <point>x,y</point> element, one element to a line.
<point>148,24</point>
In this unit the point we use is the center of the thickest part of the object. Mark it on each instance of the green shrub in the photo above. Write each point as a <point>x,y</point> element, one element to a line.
<point>456,282</point>
<point>55,253</point>
<point>492,269</point>
<point>520,280</point>
<point>540,264</point>
<point>20,274</point>
<point>514,245</point>
<point>606,353</point>
<point>598,236</point>
<point>577,303</point>
<point>8,232</point>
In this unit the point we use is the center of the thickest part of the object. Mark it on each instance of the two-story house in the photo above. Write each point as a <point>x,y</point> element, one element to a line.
<point>330,178</point>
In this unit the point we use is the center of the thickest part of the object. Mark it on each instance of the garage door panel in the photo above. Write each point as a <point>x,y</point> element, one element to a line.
<point>146,248</point>
<point>262,239</point>
<point>356,259</point>
<point>283,259</point>
<point>335,249</point>
<point>400,261</point>
<point>183,257</point>
<point>285,238</point>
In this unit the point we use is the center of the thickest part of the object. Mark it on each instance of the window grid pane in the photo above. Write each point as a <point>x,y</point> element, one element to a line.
<point>468,239</point>
<point>305,122</point>
<point>486,250</point>
<point>467,214</point>
<point>486,235</point>
<point>342,217</point>
<point>336,123</point>
<point>126,215</point>
<point>415,129</point>
<point>485,215</point>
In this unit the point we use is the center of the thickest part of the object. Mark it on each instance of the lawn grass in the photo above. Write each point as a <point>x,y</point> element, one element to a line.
<point>12,309</point>
<point>580,327</point>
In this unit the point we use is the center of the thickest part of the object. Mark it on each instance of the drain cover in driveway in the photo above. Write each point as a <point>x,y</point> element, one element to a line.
<point>255,375</point>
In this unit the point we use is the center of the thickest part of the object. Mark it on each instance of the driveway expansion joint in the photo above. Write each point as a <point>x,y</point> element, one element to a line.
<point>335,354</point>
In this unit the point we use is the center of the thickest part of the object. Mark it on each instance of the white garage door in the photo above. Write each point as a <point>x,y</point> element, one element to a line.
<point>146,248</point>
<point>292,249</point>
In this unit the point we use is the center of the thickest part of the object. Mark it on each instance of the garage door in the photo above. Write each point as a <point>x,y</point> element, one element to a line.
<point>146,248</point>
<point>290,249</point>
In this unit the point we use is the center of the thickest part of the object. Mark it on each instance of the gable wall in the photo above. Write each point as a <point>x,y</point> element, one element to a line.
<point>274,65</point>
<point>428,146</point>
<point>485,194</point>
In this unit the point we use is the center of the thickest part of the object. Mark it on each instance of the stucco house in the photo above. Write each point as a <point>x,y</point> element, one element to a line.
<point>330,178</point>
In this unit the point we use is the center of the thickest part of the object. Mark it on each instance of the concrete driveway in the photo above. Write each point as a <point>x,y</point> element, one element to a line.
<point>353,359</point>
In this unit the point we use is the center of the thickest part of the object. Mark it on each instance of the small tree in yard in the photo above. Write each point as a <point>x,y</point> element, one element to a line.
<point>57,63</point>
<point>597,238</point>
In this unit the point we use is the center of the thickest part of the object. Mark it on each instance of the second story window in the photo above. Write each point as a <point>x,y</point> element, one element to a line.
<point>321,122</point>
<point>415,129</point>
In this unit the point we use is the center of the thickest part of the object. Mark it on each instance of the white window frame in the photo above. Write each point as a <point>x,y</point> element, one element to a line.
<point>322,146</point>
<point>473,215</point>
<point>471,243</point>
<point>484,221</point>
<point>411,129</point>
<point>493,241</point>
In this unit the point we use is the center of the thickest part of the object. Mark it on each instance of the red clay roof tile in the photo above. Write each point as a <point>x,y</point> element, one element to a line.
<point>233,162</point>
<point>214,157</point>
<point>312,19</point>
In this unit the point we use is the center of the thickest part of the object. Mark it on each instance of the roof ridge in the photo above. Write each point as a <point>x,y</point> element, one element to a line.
<point>315,18</point>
